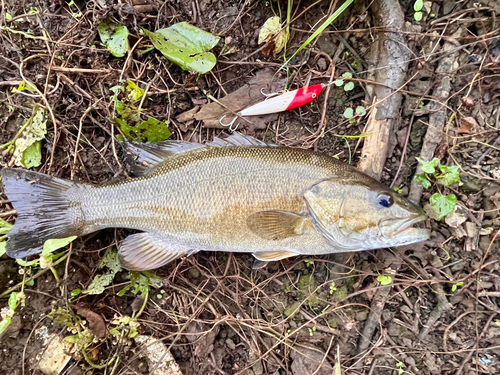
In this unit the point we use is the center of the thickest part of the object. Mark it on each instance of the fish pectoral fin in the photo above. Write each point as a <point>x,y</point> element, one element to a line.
<point>277,225</point>
<point>268,256</point>
<point>147,251</point>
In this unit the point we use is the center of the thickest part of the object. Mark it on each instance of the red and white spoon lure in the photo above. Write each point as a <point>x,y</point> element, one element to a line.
<point>284,102</point>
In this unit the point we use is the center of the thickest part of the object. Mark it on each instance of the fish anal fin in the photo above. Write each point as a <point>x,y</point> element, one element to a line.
<point>277,225</point>
<point>147,251</point>
<point>268,256</point>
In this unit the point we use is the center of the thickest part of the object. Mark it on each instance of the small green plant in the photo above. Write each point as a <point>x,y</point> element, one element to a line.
<point>311,331</point>
<point>444,175</point>
<point>417,7</point>
<point>454,287</point>
<point>124,324</point>
<point>309,263</point>
<point>76,14</point>
<point>349,112</point>
<point>398,190</point>
<point>15,300</point>
<point>385,280</point>
<point>129,115</point>
<point>349,86</point>
<point>333,288</point>
<point>400,365</point>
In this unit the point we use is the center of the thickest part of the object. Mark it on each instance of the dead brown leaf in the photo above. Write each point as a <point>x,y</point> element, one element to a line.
<point>468,124</point>
<point>242,98</point>
<point>96,322</point>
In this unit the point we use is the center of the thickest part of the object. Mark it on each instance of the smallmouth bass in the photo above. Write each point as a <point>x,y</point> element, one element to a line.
<point>236,194</point>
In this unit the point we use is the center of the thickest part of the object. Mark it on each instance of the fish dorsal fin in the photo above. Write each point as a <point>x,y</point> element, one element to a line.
<point>238,139</point>
<point>142,157</point>
<point>277,225</point>
<point>147,251</point>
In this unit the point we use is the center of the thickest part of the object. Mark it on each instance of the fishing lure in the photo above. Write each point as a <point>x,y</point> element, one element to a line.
<point>283,102</point>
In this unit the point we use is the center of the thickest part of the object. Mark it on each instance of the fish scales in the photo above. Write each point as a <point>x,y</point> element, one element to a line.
<point>203,198</point>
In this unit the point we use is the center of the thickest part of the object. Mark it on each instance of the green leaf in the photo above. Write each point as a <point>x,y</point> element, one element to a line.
<point>35,131</point>
<point>4,324</point>
<point>32,156</point>
<point>348,113</point>
<point>100,282</point>
<point>418,6</point>
<point>151,130</point>
<point>3,244</point>
<point>8,16</point>
<point>429,166</point>
<point>443,204</point>
<point>26,86</point>
<point>25,263</point>
<point>135,92</point>
<point>454,287</point>
<point>422,179</point>
<point>140,282</point>
<point>449,176</point>
<point>75,292</point>
<point>320,29</point>
<point>338,82</point>
<point>418,16</point>
<point>349,86</point>
<point>73,339</point>
<point>52,245</point>
<point>12,301</point>
<point>186,46</point>
<point>115,37</point>
<point>360,110</point>
<point>347,75</point>
<point>385,280</point>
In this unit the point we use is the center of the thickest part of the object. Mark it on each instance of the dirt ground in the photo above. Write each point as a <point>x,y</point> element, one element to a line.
<point>440,313</point>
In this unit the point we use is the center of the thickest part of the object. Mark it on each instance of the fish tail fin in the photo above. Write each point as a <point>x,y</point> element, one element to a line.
<point>45,210</point>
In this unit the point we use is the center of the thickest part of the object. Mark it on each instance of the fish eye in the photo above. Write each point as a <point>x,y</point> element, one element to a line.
<point>385,200</point>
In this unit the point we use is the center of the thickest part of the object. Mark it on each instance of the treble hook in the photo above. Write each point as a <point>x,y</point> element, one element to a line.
<point>269,95</point>
<point>230,125</point>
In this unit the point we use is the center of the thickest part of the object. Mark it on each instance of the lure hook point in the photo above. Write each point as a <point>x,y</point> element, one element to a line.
<point>229,125</point>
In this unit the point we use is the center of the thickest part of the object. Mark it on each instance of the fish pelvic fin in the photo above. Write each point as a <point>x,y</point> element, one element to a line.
<point>258,264</point>
<point>147,251</point>
<point>45,210</point>
<point>277,225</point>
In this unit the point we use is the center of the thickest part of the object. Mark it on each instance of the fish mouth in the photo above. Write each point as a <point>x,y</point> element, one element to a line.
<point>408,224</point>
<point>407,228</point>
